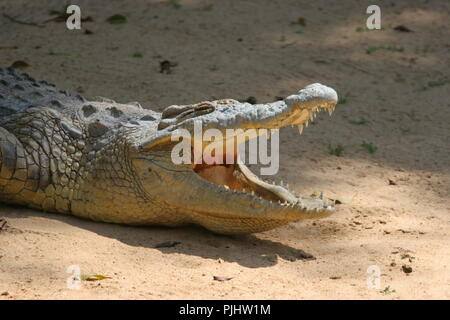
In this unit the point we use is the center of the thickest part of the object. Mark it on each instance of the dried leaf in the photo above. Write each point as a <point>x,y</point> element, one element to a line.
<point>220,278</point>
<point>19,64</point>
<point>94,277</point>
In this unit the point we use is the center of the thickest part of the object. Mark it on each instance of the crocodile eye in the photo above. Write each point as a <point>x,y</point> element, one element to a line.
<point>189,110</point>
<point>175,114</point>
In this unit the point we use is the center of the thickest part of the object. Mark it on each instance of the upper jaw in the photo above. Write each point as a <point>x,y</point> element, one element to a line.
<point>296,109</point>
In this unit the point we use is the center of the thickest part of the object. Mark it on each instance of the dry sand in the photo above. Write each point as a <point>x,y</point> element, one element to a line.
<point>236,49</point>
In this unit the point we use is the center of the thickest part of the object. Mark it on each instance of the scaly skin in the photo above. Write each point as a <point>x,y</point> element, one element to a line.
<point>111,162</point>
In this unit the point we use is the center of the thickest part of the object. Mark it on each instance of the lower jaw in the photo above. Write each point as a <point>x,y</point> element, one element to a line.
<point>239,177</point>
<point>236,225</point>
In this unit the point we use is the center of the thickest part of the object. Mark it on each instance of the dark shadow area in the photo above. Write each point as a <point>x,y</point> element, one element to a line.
<point>249,250</point>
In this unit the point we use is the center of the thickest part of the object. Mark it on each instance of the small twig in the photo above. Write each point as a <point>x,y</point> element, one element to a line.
<point>3,224</point>
<point>288,44</point>
<point>354,66</point>
<point>12,19</point>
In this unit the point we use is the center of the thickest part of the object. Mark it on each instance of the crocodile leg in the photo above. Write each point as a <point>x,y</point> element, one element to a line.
<point>14,176</point>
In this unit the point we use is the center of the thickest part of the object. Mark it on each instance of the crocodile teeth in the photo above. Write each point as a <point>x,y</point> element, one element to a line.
<point>226,187</point>
<point>277,190</point>
<point>300,128</point>
<point>306,123</point>
<point>330,111</point>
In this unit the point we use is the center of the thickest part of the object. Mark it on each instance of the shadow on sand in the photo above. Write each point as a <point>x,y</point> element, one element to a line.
<point>246,250</point>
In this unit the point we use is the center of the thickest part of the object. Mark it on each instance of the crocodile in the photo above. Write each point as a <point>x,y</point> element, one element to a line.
<point>111,162</point>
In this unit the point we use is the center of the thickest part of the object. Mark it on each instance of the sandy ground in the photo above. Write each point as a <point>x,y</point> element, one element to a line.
<point>236,49</point>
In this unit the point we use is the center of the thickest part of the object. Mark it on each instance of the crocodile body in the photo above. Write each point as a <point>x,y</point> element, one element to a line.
<point>107,161</point>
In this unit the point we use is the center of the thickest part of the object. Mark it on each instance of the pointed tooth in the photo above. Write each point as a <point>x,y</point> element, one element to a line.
<point>330,111</point>
<point>226,187</point>
<point>300,128</point>
<point>306,123</point>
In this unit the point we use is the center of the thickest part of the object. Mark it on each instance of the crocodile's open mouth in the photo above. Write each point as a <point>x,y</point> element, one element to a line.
<point>238,177</point>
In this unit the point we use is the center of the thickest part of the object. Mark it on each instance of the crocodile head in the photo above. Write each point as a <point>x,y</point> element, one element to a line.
<point>227,198</point>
